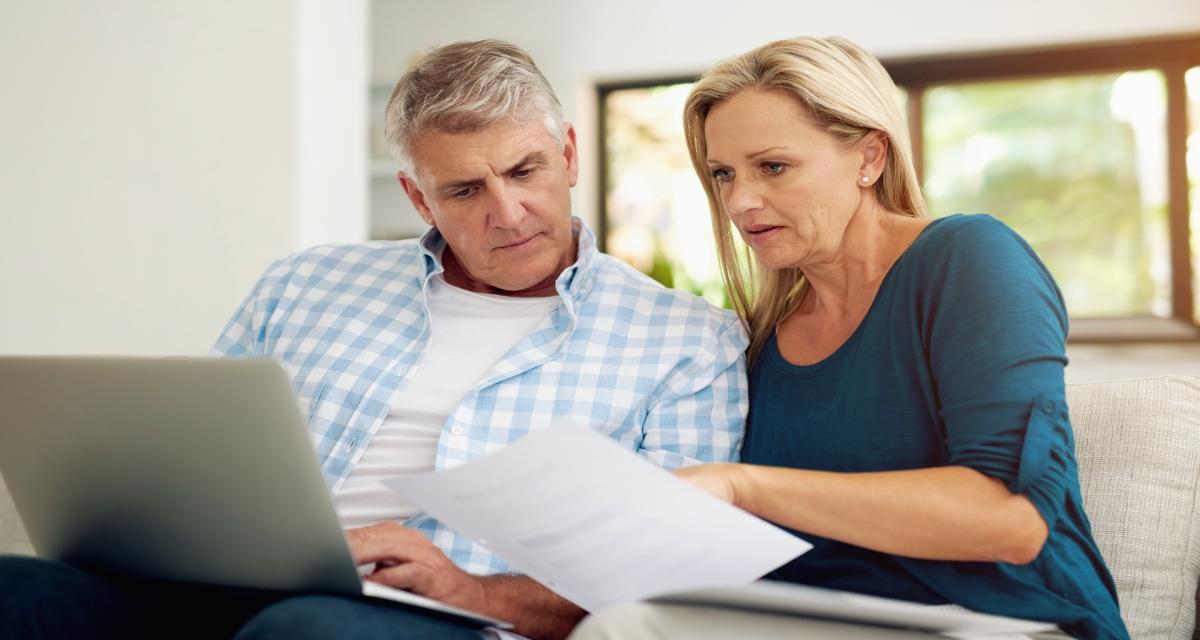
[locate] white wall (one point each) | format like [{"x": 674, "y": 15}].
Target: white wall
[
  {"x": 331, "y": 121},
  {"x": 579, "y": 43},
  {"x": 151, "y": 165}
]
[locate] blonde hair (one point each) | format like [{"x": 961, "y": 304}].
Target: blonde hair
[
  {"x": 466, "y": 87},
  {"x": 849, "y": 94}
]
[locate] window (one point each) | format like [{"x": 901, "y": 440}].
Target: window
[
  {"x": 1077, "y": 165},
  {"x": 1092, "y": 153},
  {"x": 655, "y": 214}
]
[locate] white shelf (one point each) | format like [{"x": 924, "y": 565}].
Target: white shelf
[{"x": 392, "y": 215}]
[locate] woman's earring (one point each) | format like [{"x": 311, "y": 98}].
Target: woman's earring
[{"x": 865, "y": 179}]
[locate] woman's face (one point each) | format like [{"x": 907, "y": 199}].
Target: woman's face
[{"x": 789, "y": 186}]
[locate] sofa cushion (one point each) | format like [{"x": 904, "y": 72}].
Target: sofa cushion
[{"x": 1138, "y": 447}]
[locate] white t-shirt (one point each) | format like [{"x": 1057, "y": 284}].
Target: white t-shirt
[{"x": 470, "y": 333}]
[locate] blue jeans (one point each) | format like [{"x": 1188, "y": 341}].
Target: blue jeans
[{"x": 46, "y": 599}]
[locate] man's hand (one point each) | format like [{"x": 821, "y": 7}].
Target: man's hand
[{"x": 406, "y": 559}]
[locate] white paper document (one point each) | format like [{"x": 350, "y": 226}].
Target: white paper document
[{"x": 596, "y": 523}]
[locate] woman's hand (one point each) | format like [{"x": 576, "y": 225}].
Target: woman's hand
[{"x": 720, "y": 480}]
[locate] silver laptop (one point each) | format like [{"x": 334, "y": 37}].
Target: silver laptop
[{"x": 187, "y": 469}]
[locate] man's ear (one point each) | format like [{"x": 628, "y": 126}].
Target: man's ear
[
  {"x": 570, "y": 153},
  {"x": 416, "y": 197}
]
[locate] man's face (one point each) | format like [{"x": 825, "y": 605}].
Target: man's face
[{"x": 501, "y": 199}]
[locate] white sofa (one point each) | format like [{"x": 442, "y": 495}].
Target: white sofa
[{"x": 1138, "y": 446}]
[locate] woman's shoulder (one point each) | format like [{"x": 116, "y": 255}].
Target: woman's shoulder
[
  {"x": 966, "y": 240},
  {"x": 978, "y": 256},
  {"x": 974, "y": 229}
]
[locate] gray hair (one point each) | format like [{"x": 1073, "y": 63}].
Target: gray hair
[{"x": 466, "y": 87}]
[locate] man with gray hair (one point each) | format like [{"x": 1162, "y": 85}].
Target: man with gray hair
[{"x": 503, "y": 319}]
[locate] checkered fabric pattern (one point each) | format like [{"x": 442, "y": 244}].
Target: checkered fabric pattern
[{"x": 660, "y": 371}]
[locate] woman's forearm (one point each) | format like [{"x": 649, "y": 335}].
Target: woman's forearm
[{"x": 941, "y": 513}]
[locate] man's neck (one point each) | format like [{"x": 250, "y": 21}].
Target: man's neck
[{"x": 457, "y": 275}]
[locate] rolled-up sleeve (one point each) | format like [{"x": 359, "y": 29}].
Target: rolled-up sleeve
[
  {"x": 699, "y": 411},
  {"x": 995, "y": 333}
]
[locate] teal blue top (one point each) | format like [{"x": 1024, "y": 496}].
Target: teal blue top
[{"x": 959, "y": 361}]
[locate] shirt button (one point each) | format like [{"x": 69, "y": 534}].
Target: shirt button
[
  {"x": 353, "y": 442},
  {"x": 1048, "y": 407},
  {"x": 456, "y": 430}
]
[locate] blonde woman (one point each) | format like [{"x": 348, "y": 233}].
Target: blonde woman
[{"x": 907, "y": 400}]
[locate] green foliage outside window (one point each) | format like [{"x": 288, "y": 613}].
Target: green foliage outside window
[{"x": 1076, "y": 165}]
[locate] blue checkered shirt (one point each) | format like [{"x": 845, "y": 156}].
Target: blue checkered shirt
[{"x": 660, "y": 371}]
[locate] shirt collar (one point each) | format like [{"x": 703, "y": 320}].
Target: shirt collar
[{"x": 572, "y": 284}]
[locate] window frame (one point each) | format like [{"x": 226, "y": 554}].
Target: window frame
[{"x": 1170, "y": 55}]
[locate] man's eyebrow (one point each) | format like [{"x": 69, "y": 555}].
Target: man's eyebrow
[
  {"x": 458, "y": 185},
  {"x": 536, "y": 157}
]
